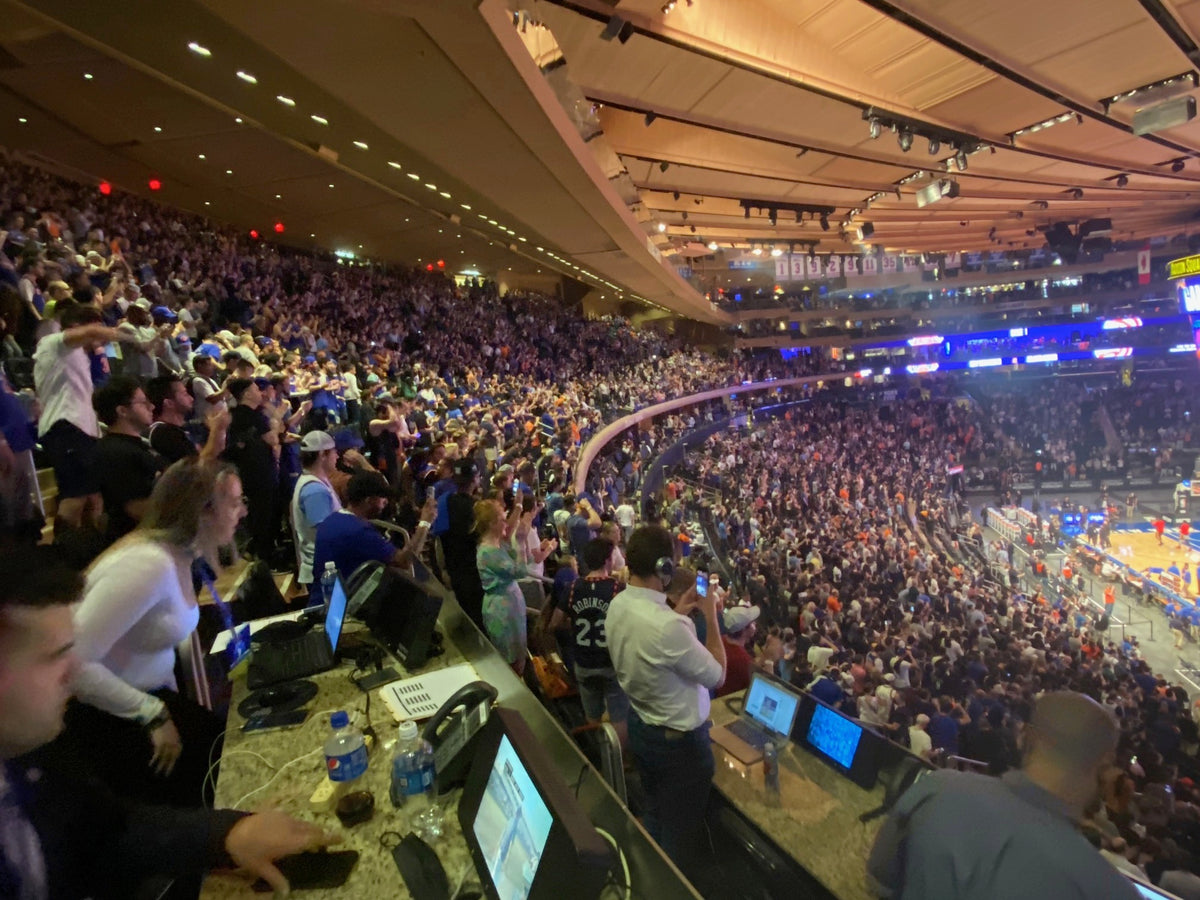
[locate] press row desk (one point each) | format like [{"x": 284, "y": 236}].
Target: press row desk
[
  {"x": 376, "y": 875},
  {"x": 813, "y": 821}
]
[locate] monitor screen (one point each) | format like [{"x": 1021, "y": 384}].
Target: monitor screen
[
  {"x": 771, "y": 705},
  {"x": 1189, "y": 296},
  {"x": 834, "y": 735},
  {"x": 512, "y": 825},
  {"x": 336, "y": 614}
]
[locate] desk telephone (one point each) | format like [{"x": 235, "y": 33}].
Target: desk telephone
[{"x": 453, "y": 729}]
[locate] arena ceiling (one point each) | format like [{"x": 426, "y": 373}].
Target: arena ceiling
[{"x": 709, "y": 106}]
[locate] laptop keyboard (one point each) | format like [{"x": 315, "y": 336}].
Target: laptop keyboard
[
  {"x": 753, "y": 736},
  {"x": 296, "y": 659}
]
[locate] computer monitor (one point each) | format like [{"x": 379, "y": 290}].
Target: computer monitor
[
  {"x": 771, "y": 705},
  {"x": 528, "y": 836},
  {"x": 400, "y": 611},
  {"x": 839, "y": 741},
  {"x": 336, "y": 614}
]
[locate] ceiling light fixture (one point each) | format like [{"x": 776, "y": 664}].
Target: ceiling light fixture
[
  {"x": 960, "y": 159},
  {"x": 465, "y": 205},
  {"x": 1122, "y": 180},
  {"x": 246, "y": 77},
  {"x": 199, "y": 49},
  {"x": 662, "y": 226},
  {"x": 432, "y": 187},
  {"x": 320, "y": 120},
  {"x": 650, "y": 117},
  {"x": 934, "y": 146},
  {"x": 201, "y": 156},
  {"x": 445, "y": 194},
  {"x": 158, "y": 129},
  {"x": 361, "y": 145},
  {"x": 395, "y": 165},
  {"x": 875, "y": 128},
  {"x": 88, "y": 76},
  {"x": 286, "y": 101},
  {"x": 712, "y": 245},
  {"x": 237, "y": 121},
  {"x": 663, "y": 166},
  {"x": 1043, "y": 125},
  {"x": 904, "y": 139},
  {"x": 22, "y": 120}
]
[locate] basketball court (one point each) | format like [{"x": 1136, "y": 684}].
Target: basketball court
[{"x": 1137, "y": 547}]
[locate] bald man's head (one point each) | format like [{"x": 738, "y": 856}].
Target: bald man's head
[{"x": 1071, "y": 732}]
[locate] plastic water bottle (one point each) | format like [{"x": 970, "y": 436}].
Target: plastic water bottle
[
  {"x": 345, "y": 751},
  {"x": 413, "y": 784},
  {"x": 328, "y": 577},
  {"x": 771, "y": 767}
]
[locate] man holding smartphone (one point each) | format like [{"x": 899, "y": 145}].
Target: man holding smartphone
[
  {"x": 667, "y": 674},
  {"x": 63, "y": 837}
]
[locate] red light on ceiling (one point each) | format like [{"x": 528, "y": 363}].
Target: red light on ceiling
[
  {"x": 154, "y": 184},
  {"x": 105, "y": 188},
  {"x": 441, "y": 264},
  {"x": 254, "y": 234},
  {"x": 279, "y": 228},
  {"x": 429, "y": 267}
]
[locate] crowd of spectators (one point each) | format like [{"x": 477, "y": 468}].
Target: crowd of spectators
[{"x": 881, "y": 596}]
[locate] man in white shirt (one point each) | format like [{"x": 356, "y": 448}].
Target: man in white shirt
[
  {"x": 919, "y": 741},
  {"x": 667, "y": 674},
  {"x": 626, "y": 515},
  {"x": 68, "y": 429},
  {"x": 313, "y": 500}
]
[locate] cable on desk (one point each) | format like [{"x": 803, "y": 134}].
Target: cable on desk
[
  {"x": 579, "y": 781},
  {"x": 628, "y": 885},
  {"x": 280, "y": 771}
]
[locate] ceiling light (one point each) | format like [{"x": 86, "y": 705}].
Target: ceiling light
[
  {"x": 712, "y": 245},
  {"x": 279, "y": 196},
  {"x": 432, "y": 187},
  {"x": 201, "y": 156},
  {"x": 445, "y": 194},
  {"x": 331, "y": 185},
  {"x": 286, "y": 101},
  {"x": 874, "y": 128},
  {"x": 775, "y": 251},
  {"x": 237, "y": 121},
  {"x": 905, "y": 139},
  {"x": 158, "y": 129},
  {"x": 88, "y": 76},
  {"x": 663, "y": 166},
  {"x": 491, "y": 221},
  {"x": 413, "y": 175},
  {"x": 465, "y": 205},
  {"x": 22, "y": 120},
  {"x": 1177, "y": 166},
  {"x": 199, "y": 49},
  {"x": 960, "y": 158},
  {"x": 662, "y": 226},
  {"x": 824, "y": 223},
  {"x": 757, "y": 251},
  {"x": 361, "y": 145},
  {"x": 395, "y": 165},
  {"x": 320, "y": 120},
  {"x": 934, "y": 146},
  {"x": 206, "y": 203},
  {"x": 229, "y": 171},
  {"x": 247, "y": 77}
]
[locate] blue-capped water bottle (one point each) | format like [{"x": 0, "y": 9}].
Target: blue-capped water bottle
[
  {"x": 328, "y": 577},
  {"x": 413, "y": 782},
  {"x": 345, "y": 751},
  {"x": 771, "y": 767}
]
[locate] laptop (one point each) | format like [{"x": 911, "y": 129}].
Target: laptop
[
  {"x": 307, "y": 655},
  {"x": 768, "y": 714}
]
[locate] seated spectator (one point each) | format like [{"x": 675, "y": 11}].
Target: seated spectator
[
  {"x": 78, "y": 838},
  {"x": 129, "y": 725},
  {"x": 740, "y": 629},
  {"x": 126, "y": 466},
  {"x": 348, "y": 539}
]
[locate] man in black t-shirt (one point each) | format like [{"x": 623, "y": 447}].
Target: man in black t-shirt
[
  {"x": 586, "y": 610},
  {"x": 252, "y": 446},
  {"x": 169, "y": 436},
  {"x": 457, "y": 542},
  {"x": 126, "y": 466}
]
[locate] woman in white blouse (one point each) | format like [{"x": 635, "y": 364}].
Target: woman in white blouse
[{"x": 139, "y": 734}]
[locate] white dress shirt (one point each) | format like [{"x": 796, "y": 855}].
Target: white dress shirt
[
  {"x": 63, "y": 375},
  {"x": 659, "y": 661}
]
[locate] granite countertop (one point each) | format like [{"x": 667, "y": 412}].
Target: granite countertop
[
  {"x": 243, "y": 771},
  {"x": 814, "y": 818}
]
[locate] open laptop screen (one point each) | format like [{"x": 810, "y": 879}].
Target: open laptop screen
[
  {"x": 336, "y": 614},
  {"x": 771, "y": 705}
]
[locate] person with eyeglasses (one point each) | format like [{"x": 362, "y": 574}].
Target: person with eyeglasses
[
  {"x": 126, "y": 466},
  {"x": 128, "y": 724}
]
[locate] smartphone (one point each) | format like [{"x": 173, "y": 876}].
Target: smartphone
[
  {"x": 310, "y": 871},
  {"x": 378, "y": 679},
  {"x": 702, "y": 584},
  {"x": 275, "y": 721}
]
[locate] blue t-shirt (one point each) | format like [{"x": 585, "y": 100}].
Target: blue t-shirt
[{"x": 349, "y": 542}]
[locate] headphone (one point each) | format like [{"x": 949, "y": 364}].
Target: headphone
[{"x": 664, "y": 568}]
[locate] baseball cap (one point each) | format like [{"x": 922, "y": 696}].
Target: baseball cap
[
  {"x": 465, "y": 468},
  {"x": 347, "y": 439},
  {"x": 316, "y": 441},
  {"x": 142, "y": 303},
  {"x": 163, "y": 312},
  {"x": 364, "y": 485},
  {"x": 738, "y": 617}
]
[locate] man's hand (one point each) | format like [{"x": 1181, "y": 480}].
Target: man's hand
[
  {"x": 218, "y": 420},
  {"x": 429, "y": 508},
  {"x": 688, "y": 601},
  {"x": 256, "y": 841}
]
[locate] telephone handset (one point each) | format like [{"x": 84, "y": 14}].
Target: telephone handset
[{"x": 453, "y": 729}]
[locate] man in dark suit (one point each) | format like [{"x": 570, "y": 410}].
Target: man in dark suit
[{"x": 69, "y": 839}]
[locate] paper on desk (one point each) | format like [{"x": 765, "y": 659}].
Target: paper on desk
[
  {"x": 421, "y": 696},
  {"x": 222, "y": 638}
]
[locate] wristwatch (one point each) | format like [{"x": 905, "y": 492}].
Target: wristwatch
[{"x": 162, "y": 718}]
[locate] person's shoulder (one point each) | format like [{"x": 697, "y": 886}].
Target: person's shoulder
[{"x": 135, "y": 557}]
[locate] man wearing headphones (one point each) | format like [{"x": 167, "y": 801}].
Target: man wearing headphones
[{"x": 667, "y": 674}]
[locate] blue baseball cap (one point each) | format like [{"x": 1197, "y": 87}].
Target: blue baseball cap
[{"x": 163, "y": 312}]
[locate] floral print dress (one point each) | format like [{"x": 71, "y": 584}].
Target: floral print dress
[{"x": 503, "y": 602}]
